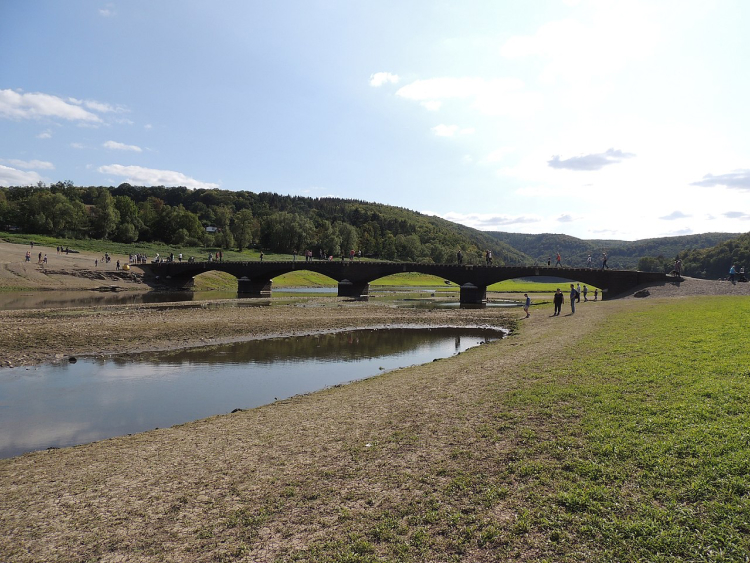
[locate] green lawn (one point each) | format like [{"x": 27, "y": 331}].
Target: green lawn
[{"x": 643, "y": 452}]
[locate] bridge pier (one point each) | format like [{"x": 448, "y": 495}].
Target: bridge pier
[
  {"x": 471, "y": 294},
  {"x": 353, "y": 289},
  {"x": 253, "y": 288}
]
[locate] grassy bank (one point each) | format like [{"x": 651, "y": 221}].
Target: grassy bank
[
  {"x": 644, "y": 454},
  {"x": 621, "y": 433}
]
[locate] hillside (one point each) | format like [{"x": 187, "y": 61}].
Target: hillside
[
  {"x": 714, "y": 262},
  {"x": 222, "y": 219},
  {"x": 621, "y": 254}
]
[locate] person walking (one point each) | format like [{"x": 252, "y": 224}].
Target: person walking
[
  {"x": 588, "y": 262},
  {"x": 604, "y": 260},
  {"x": 732, "y": 273},
  {"x": 558, "y": 300},
  {"x": 572, "y": 299},
  {"x": 585, "y": 293},
  {"x": 527, "y": 304}
]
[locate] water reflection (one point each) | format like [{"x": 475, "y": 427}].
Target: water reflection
[{"x": 95, "y": 399}]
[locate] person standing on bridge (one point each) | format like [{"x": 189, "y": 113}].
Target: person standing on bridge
[
  {"x": 588, "y": 262},
  {"x": 459, "y": 256},
  {"x": 604, "y": 260},
  {"x": 261, "y": 256},
  {"x": 559, "y": 260},
  {"x": 572, "y": 299}
]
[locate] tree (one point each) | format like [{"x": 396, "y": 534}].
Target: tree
[
  {"x": 329, "y": 239},
  {"x": 104, "y": 215},
  {"x": 349, "y": 236},
  {"x": 245, "y": 228},
  {"x": 287, "y": 232}
]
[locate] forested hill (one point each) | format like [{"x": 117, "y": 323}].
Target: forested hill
[
  {"x": 659, "y": 253},
  {"x": 714, "y": 262},
  {"x": 241, "y": 219}
]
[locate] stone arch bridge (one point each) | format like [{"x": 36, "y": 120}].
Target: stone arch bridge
[{"x": 254, "y": 279}]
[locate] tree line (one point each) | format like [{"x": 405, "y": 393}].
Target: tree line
[{"x": 241, "y": 220}]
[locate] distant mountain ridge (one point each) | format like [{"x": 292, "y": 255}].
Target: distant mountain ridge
[{"x": 624, "y": 255}]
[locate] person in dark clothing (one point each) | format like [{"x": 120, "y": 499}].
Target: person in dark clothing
[{"x": 558, "y": 300}]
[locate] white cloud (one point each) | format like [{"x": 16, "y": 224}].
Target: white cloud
[
  {"x": 496, "y": 97},
  {"x": 78, "y": 145},
  {"x": 431, "y": 105},
  {"x": 14, "y": 105},
  {"x": 31, "y": 164},
  {"x": 12, "y": 177},
  {"x": 445, "y": 130},
  {"x": 499, "y": 154},
  {"x": 539, "y": 191},
  {"x": 380, "y": 78},
  {"x": 566, "y": 45},
  {"x": 101, "y": 107},
  {"x": 486, "y": 221},
  {"x": 450, "y": 130},
  {"x": 45, "y": 135},
  {"x": 675, "y": 215},
  {"x": 114, "y": 145},
  {"x": 151, "y": 177}
]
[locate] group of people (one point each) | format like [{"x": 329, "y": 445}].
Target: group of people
[
  {"x": 559, "y": 298},
  {"x": 733, "y": 272},
  {"x": 40, "y": 260},
  {"x": 589, "y": 261}
]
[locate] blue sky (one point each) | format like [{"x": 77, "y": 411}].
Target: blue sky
[{"x": 622, "y": 120}]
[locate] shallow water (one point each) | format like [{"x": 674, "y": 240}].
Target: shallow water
[
  {"x": 93, "y": 399},
  {"x": 398, "y": 296}
]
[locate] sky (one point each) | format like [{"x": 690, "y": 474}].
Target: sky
[{"x": 596, "y": 119}]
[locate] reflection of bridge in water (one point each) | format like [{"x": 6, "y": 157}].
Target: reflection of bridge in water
[{"x": 254, "y": 279}]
